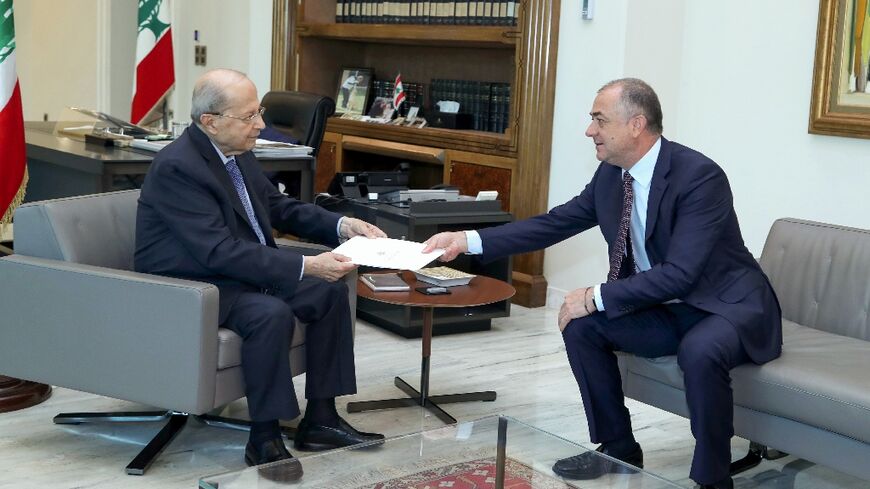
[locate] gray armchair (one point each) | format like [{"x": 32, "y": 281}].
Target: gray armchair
[{"x": 75, "y": 315}]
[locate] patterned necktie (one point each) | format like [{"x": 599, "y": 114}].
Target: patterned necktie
[
  {"x": 239, "y": 183},
  {"x": 621, "y": 259}
]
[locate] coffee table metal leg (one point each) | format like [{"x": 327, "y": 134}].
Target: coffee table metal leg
[
  {"x": 422, "y": 397},
  {"x": 500, "y": 452}
]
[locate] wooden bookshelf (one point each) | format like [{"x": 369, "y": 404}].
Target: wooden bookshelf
[{"x": 310, "y": 48}]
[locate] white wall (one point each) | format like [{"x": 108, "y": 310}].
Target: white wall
[
  {"x": 734, "y": 79},
  {"x": 82, "y": 52}
]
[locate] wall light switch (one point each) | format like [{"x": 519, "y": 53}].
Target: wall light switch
[{"x": 199, "y": 55}]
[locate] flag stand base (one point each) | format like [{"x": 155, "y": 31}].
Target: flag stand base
[{"x": 18, "y": 394}]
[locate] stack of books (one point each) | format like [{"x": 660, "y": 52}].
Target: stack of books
[
  {"x": 488, "y": 102},
  {"x": 459, "y": 12},
  {"x": 443, "y": 276}
]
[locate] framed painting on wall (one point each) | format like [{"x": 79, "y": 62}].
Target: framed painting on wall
[{"x": 840, "y": 103}]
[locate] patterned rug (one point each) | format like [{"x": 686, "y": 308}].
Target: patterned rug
[{"x": 476, "y": 474}]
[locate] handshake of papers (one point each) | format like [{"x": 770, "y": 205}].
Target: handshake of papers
[{"x": 386, "y": 253}]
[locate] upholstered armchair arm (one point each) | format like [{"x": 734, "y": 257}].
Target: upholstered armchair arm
[
  {"x": 113, "y": 332},
  {"x": 315, "y": 249}
]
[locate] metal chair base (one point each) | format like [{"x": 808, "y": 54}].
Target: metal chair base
[{"x": 175, "y": 421}]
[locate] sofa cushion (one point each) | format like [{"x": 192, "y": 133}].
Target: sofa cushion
[
  {"x": 821, "y": 379},
  {"x": 230, "y": 346}
]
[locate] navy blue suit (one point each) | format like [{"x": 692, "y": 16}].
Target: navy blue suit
[
  {"x": 191, "y": 224},
  {"x": 726, "y": 313}
]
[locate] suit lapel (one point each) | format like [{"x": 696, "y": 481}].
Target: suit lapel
[
  {"x": 658, "y": 185},
  {"x": 213, "y": 161}
]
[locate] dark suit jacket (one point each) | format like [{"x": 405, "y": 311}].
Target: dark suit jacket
[
  {"x": 191, "y": 222},
  {"x": 692, "y": 238}
]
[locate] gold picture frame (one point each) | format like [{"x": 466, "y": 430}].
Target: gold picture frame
[{"x": 840, "y": 103}]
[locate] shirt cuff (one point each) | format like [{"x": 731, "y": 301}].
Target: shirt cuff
[
  {"x": 599, "y": 302},
  {"x": 302, "y": 269},
  {"x": 475, "y": 245},
  {"x": 338, "y": 227}
]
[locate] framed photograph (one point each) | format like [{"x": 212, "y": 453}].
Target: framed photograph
[
  {"x": 840, "y": 103},
  {"x": 353, "y": 90},
  {"x": 382, "y": 108}
]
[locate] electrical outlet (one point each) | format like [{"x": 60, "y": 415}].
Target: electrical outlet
[{"x": 199, "y": 55}]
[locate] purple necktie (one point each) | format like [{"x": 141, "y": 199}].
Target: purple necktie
[
  {"x": 239, "y": 183},
  {"x": 620, "y": 260}
]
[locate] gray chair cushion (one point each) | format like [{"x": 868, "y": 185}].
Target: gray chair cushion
[
  {"x": 821, "y": 379},
  {"x": 230, "y": 346}
]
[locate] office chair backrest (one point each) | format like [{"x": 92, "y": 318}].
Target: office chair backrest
[
  {"x": 298, "y": 114},
  {"x": 97, "y": 229}
]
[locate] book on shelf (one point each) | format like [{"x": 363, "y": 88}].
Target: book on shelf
[
  {"x": 443, "y": 276},
  {"x": 385, "y": 282}
]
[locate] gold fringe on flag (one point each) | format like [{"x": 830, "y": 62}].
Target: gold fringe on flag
[{"x": 16, "y": 201}]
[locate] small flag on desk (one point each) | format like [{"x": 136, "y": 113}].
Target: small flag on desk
[
  {"x": 398, "y": 93},
  {"x": 13, "y": 165},
  {"x": 155, "y": 73}
]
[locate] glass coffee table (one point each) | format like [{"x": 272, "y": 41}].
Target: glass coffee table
[{"x": 493, "y": 452}]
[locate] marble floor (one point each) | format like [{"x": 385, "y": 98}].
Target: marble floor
[{"x": 522, "y": 358}]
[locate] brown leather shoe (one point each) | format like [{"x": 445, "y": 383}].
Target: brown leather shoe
[
  {"x": 590, "y": 465},
  {"x": 274, "y": 462}
]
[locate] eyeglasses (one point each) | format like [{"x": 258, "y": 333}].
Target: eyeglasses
[{"x": 247, "y": 119}]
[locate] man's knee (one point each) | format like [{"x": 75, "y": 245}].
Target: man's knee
[
  {"x": 273, "y": 318},
  {"x": 695, "y": 355},
  {"x": 583, "y": 330}
]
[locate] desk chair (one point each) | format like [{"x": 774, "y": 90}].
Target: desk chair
[
  {"x": 75, "y": 315},
  {"x": 301, "y": 116}
]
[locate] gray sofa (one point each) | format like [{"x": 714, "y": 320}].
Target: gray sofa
[
  {"x": 74, "y": 314},
  {"x": 813, "y": 401}
]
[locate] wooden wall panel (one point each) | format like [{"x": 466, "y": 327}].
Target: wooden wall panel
[{"x": 471, "y": 178}]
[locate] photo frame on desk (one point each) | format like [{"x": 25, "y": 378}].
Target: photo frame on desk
[
  {"x": 352, "y": 95},
  {"x": 840, "y": 104}
]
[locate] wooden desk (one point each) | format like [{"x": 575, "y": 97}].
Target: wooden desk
[
  {"x": 63, "y": 167},
  {"x": 482, "y": 290}
]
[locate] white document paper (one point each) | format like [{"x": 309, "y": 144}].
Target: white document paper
[{"x": 387, "y": 253}]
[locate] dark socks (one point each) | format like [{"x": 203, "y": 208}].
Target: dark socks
[
  {"x": 263, "y": 431},
  {"x": 622, "y": 447},
  {"x": 322, "y": 412}
]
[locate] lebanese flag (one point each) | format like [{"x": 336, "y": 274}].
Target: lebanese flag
[
  {"x": 398, "y": 93},
  {"x": 13, "y": 164},
  {"x": 155, "y": 74}
]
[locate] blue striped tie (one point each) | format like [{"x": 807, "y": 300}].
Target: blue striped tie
[{"x": 239, "y": 183}]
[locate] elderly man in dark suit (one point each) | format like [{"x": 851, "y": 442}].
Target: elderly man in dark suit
[
  {"x": 681, "y": 281},
  {"x": 206, "y": 212}
]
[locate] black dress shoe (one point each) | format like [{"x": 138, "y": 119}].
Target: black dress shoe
[
  {"x": 311, "y": 436},
  {"x": 589, "y": 465},
  {"x": 727, "y": 483},
  {"x": 286, "y": 468}
]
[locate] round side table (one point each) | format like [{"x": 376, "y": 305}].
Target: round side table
[{"x": 481, "y": 290}]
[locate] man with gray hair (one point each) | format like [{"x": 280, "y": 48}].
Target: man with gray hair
[
  {"x": 206, "y": 213},
  {"x": 681, "y": 281}
]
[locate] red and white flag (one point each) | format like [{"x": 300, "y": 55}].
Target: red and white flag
[
  {"x": 398, "y": 93},
  {"x": 13, "y": 163},
  {"x": 155, "y": 73}
]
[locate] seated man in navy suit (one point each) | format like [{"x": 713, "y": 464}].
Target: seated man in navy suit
[
  {"x": 681, "y": 281},
  {"x": 206, "y": 213}
]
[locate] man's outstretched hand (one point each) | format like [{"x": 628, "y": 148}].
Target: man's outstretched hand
[
  {"x": 453, "y": 243},
  {"x": 328, "y": 266},
  {"x": 351, "y": 227}
]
